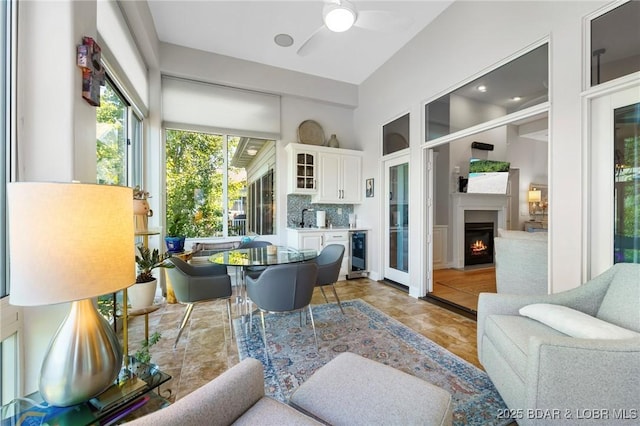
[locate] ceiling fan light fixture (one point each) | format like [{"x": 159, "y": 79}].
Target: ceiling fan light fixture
[{"x": 339, "y": 17}]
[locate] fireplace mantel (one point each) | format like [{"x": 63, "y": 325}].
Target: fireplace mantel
[{"x": 461, "y": 202}]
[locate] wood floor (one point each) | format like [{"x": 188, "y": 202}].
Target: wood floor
[
  {"x": 206, "y": 349},
  {"x": 463, "y": 287}
]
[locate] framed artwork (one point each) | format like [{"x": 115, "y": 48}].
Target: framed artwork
[{"x": 369, "y": 188}]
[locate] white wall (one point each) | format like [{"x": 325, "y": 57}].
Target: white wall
[
  {"x": 464, "y": 40},
  {"x": 56, "y": 129}
]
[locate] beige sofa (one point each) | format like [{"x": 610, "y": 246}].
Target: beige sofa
[
  {"x": 348, "y": 390},
  {"x": 521, "y": 262}
]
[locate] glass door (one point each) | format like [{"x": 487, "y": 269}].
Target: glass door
[
  {"x": 614, "y": 186},
  {"x": 397, "y": 220}
]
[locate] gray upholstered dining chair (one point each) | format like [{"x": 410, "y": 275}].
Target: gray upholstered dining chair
[
  {"x": 284, "y": 288},
  {"x": 192, "y": 284},
  {"x": 329, "y": 262}
]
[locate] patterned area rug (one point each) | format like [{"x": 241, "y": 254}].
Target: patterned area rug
[{"x": 370, "y": 333}]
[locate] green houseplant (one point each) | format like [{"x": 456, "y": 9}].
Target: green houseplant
[
  {"x": 143, "y": 355},
  {"x": 177, "y": 228},
  {"x": 142, "y": 293}
]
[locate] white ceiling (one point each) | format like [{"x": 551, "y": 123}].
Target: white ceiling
[{"x": 246, "y": 29}]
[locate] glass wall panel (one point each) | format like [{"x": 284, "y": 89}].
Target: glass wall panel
[
  {"x": 111, "y": 135},
  {"x": 627, "y": 184},
  {"x": 517, "y": 85},
  {"x": 395, "y": 135},
  {"x": 399, "y": 217},
  {"x": 615, "y": 43}
]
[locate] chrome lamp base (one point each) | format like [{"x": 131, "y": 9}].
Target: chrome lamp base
[{"x": 84, "y": 358}]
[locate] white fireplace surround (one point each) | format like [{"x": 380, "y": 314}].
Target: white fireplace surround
[{"x": 462, "y": 202}]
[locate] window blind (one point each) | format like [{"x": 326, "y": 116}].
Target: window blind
[{"x": 225, "y": 109}]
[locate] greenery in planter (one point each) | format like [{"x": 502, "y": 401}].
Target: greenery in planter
[
  {"x": 143, "y": 355},
  {"x": 147, "y": 261},
  {"x": 179, "y": 223}
]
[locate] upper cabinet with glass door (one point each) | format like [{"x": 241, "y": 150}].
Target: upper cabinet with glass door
[{"x": 303, "y": 169}]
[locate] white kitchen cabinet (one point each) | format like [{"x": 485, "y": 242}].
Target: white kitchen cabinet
[
  {"x": 340, "y": 178},
  {"x": 303, "y": 169},
  {"x": 318, "y": 239}
]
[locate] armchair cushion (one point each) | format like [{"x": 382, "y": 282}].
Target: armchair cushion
[{"x": 575, "y": 323}]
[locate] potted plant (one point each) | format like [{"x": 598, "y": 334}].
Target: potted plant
[
  {"x": 143, "y": 355},
  {"x": 178, "y": 223},
  {"x": 142, "y": 293}
]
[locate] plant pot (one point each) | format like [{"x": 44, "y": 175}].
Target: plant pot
[
  {"x": 141, "y": 295},
  {"x": 174, "y": 244}
]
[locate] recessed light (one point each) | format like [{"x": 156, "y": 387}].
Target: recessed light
[
  {"x": 283, "y": 40},
  {"x": 516, "y": 98},
  {"x": 482, "y": 88},
  {"x": 252, "y": 151}
]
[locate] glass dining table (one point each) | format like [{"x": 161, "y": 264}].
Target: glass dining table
[{"x": 247, "y": 259}]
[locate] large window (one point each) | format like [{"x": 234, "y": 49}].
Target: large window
[
  {"x": 207, "y": 185},
  {"x": 627, "y": 184},
  {"x": 515, "y": 86},
  {"x": 119, "y": 139},
  {"x": 615, "y": 43}
]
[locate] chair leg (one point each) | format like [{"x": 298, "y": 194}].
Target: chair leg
[
  {"x": 333, "y": 287},
  {"x": 185, "y": 319},
  {"x": 264, "y": 334},
  {"x": 229, "y": 315},
  {"x": 325, "y": 296},
  {"x": 313, "y": 325}
]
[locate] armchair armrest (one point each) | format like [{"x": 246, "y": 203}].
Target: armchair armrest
[
  {"x": 585, "y": 374},
  {"x": 503, "y": 304},
  {"x": 220, "y": 402}
]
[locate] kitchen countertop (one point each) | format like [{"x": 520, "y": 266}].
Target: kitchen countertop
[{"x": 335, "y": 228}]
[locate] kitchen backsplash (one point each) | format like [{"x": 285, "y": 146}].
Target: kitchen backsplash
[{"x": 296, "y": 202}]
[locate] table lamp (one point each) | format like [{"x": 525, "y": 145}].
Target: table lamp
[
  {"x": 535, "y": 196},
  {"x": 70, "y": 242}
]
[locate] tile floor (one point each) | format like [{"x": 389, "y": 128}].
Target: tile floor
[{"x": 206, "y": 349}]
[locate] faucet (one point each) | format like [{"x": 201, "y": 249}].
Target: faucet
[{"x": 302, "y": 216}]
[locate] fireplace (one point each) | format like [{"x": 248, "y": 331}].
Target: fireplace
[{"x": 478, "y": 243}]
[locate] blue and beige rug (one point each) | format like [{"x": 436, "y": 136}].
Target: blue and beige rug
[{"x": 372, "y": 334}]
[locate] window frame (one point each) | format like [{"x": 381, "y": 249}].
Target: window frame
[
  {"x": 226, "y": 216},
  {"x": 11, "y": 374}
]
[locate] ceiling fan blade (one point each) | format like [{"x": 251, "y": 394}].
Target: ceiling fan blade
[
  {"x": 382, "y": 21},
  {"x": 313, "y": 41}
]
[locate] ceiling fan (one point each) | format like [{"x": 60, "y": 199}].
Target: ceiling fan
[{"x": 340, "y": 15}]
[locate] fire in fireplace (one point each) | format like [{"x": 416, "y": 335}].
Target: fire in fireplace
[{"x": 478, "y": 240}]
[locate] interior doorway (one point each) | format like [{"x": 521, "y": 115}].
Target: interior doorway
[{"x": 524, "y": 145}]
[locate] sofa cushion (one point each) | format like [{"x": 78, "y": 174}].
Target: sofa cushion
[
  {"x": 620, "y": 303},
  {"x": 575, "y": 323},
  {"x": 353, "y": 390},
  {"x": 268, "y": 411},
  {"x": 510, "y": 335}
]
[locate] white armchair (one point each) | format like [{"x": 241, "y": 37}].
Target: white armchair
[{"x": 536, "y": 367}]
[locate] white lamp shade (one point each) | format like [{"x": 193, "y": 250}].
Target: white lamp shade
[
  {"x": 69, "y": 241},
  {"x": 535, "y": 196}
]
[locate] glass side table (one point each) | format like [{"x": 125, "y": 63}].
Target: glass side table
[{"x": 131, "y": 397}]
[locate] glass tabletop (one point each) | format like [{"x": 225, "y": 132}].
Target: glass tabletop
[
  {"x": 262, "y": 256},
  {"x": 120, "y": 399}
]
